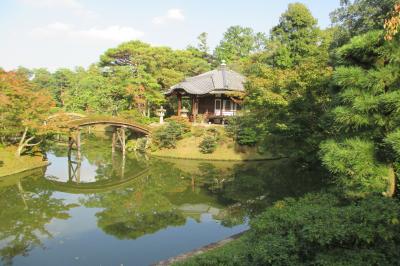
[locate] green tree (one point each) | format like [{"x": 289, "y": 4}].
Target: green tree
[
  {"x": 238, "y": 42},
  {"x": 203, "y": 44},
  {"x": 287, "y": 88},
  {"x": 366, "y": 115},
  {"x": 152, "y": 70},
  {"x": 296, "y": 38},
  {"x": 356, "y": 17}
]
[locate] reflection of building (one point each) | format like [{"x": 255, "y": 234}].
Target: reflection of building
[{"x": 215, "y": 94}]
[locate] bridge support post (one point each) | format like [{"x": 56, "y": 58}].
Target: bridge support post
[
  {"x": 122, "y": 139},
  {"x": 74, "y": 138},
  {"x": 78, "y": 144}
]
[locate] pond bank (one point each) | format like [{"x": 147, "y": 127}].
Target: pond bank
[
  {"x": 199, "y": 251},
  {"x": 10, "y": 164},
  {"x": 187, "y": 148}
]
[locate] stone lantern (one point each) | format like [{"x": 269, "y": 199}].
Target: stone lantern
[
  {"x": 161, "y": 114},
  {"x": 184, "y": 112}
]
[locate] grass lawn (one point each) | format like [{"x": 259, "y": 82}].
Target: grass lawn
[
  {"x": 187, "y": 148},
  {"x": 10, "y": 164}
]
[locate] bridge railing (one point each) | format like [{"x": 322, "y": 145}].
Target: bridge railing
[{"x": 93, "y": 120}]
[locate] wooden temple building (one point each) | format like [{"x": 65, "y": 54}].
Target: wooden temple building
[{"x": 215, "y": 94}]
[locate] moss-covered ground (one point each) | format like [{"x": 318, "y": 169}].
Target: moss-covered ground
[{"x": 10, "y": 164}]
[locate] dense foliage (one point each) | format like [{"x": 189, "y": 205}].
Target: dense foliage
[
  {"x": 167, "y": 136},
  {"x": 329, "y": 97},
  {"x": 318, "y": 229}
]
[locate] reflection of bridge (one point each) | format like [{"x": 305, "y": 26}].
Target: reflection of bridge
[
  {"x": 95, "y": 187},
  {"x": 74, "y": 123}
]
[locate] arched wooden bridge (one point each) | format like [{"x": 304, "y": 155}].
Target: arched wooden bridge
[
  {"x": 74, "y": 122},
  {"x": 111, "y": 121}
]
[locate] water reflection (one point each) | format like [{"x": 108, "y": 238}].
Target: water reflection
[
  {"x": 181, "y": 205},
  {"x": 27, "y": 207}
]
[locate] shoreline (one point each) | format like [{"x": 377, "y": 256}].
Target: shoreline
[
  {"x": 45, "y": 163},
  {"x": 217, "y": 159},
  {"x": 11, "y": 165},
  {"x": 198, "y": 251}
]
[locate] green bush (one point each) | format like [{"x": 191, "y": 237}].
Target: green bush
[
  {"x": 318, "y": 229},
  {"x": 208, "y": 144},
  {"x": 243, "y": 130},
  {"x": 167, "y": 136},
  {"x": 182, "y": 121}
]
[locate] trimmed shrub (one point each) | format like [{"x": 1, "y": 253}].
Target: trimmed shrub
[
  {"x": 208, "y": 144},
  {"x": 182, "y": 121},
  {"x": 167, "y": 136}
]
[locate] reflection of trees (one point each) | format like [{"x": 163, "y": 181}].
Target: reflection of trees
[
  {"x": 248, "y": 188},
  {"x": 138, "y": 210},
  {"x": 130, "y": 214},
  {"x": 256, "y": 185},
  {"x": 26, "y": 209}
]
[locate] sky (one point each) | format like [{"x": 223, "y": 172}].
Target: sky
[{"x": 68, "y": 33}]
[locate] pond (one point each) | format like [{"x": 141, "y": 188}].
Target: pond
[{"x": 109, "y": 210}]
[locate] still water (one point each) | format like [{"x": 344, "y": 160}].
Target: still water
[{"x": 106, "y": 210}]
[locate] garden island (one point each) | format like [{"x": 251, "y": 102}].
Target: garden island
[{"x": 278, "y": 148}]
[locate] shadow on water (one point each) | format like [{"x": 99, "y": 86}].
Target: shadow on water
[{"x": 136, "y": 196}]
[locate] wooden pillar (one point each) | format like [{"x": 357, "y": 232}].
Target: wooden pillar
[
  {"x": 69, "y": 168},
  {"x": 70, "y": 142},
  {"x": 78, "y": 144},
  {"x": 179, "y": 103},
  {"x": 222, "y": 106},
  {"x": 122, "y": 139},
  {"x": 193, "y": 108},
  {"x": 196, "y": 104}
]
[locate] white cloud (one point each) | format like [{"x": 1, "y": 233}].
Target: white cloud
[
  {"x": 173, "y": 14},
  {"x": 77, "y": 7},
  {"x": 111, "y": 33}
]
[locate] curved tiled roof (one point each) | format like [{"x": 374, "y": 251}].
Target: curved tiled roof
[{"x": 221, "y": 79}]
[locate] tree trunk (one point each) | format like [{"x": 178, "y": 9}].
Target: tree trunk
[{"x": 23, "y": 143}]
